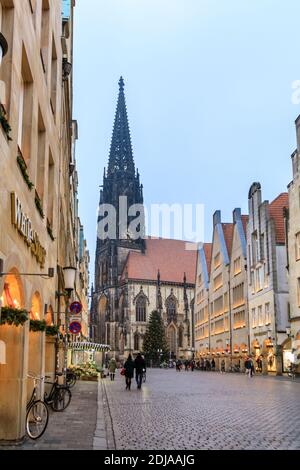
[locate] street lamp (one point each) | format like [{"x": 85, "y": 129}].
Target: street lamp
[
  {"x": 69, "y": 284},
  {"x": 159, "y": 352},
  {"x": 193, "y": 353}
]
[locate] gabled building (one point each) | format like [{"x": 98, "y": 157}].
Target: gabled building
[
  {"x": 293, "y": 242},
  {"x": 220, "y": 321},
  {"x": 221, "y": 304},
  {"x": 267, "y": 281},
  {"x": 240, "y": 343},
  {"x": 201, "y": 307}
]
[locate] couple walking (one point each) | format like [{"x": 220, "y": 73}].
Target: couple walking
[{"x": 139, "y": 365}]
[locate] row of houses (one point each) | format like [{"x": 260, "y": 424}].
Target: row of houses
[
  {"x": 41, "y": 235},
  {"x": 247, "y": 290}
]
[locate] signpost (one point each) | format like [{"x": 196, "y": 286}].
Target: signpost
[
  {"x": 76, "y": 308},
  {"x": 75, "y": 327}
]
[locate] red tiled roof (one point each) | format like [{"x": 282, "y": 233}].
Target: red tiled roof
[
  {"x": 228, "y": 235},
  {"x": 170, "y": 257},
  {"x": 276, "y": 213},
  {"x": 207, "y": 247}
]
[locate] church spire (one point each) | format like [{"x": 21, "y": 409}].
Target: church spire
[{"x": 121, "y": 158}]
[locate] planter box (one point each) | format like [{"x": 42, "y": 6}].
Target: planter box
[{"x": 90, "y": 379}]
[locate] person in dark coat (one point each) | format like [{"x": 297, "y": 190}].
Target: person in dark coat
[
  {"x": 140, "y": 366},
  {"x": 129, "y": 371}
]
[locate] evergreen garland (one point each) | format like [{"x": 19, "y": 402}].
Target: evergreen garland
[
  {"x": 52, "y": 330},
  {"x": 155, "y": 340},
  {"x": 4, "y": 123},
  {"x": 38, "y": 204},
  {"x": 13, "y": 316},
  {"x": 23, "y": 168},
  {"x": 37, "y": 325}
]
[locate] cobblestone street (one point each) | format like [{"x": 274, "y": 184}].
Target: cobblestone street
[
  {"x": 203, "y": 410},
  {"x": 179, "y": 411}
]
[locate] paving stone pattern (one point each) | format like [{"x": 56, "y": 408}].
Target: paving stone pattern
[
  {"x": 75, "y": 427},
  {"x": 205, "y": 410}
]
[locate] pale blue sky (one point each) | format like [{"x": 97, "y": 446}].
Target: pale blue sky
[{"x": 208, "y": 85}]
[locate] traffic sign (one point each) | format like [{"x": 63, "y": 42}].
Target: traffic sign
[
  {"x": 76, "y": 308},
  {"x": 75, "y": 328}
]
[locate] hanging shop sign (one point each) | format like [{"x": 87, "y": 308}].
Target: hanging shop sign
[
  {"x": 76, "y": 308},
  {"x": 24, "y": 226},
  {"x": 75, "y": 328}
]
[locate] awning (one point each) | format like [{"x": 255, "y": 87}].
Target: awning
[{"x": 86, "y": 346}]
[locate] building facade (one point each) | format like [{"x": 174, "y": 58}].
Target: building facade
[
  {"x": 267, "y": 280},
  {"x": 293, "y": 243},
  {"x": 38, "y": 195},
  {"x": 128, "y": 286},
  {"x": 221, "y": 310}
]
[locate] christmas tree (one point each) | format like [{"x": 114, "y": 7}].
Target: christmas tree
[{"x": 155, "y": 343}]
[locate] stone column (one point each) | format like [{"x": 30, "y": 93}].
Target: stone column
[{"x": 13, "y": 383}]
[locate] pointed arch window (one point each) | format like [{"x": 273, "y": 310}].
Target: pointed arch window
[
  {"x": 171, "y": 305},
  {"x": 140, "y": 308}
]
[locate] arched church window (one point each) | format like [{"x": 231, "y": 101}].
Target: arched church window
[
  {"x": 171, "y": 308},
  {"x": 140, "y": 309}
]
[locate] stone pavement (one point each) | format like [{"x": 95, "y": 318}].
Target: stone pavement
[
  {"x": 205, "y": 410},
  {"x": 80, "y": 427}
]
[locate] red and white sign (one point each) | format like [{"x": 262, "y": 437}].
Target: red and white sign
[{"x": 75, "y": 327}]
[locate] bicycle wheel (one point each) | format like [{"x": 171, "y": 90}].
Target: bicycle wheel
[
  {"x": 37, "y": 419},
  {"x": 71, "y": 379},
  {"x": 61, "y": 399}
]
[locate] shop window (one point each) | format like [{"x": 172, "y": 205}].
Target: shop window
[
  {"x": 36, "y": 307},
  {"x": 12, "y": 292}
]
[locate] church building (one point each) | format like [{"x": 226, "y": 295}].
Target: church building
[{"x": 136, "y": 275}]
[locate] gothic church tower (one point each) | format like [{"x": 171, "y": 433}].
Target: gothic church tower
[{"x": 108, "y": 310}]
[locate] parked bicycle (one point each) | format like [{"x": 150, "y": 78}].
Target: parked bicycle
[
  {"x": 59, "y": 397},
  {"x": 71, "y": 378},
  {"x": 37, "y": 414},
  {"x": 292, "y": 371}
]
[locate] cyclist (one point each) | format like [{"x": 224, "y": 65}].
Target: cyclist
[{"x": 140, "y": 366}]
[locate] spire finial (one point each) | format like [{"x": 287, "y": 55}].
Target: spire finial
[{"x": 121, "y": 83}]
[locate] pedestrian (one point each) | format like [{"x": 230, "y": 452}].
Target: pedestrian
[
  {"x": 186, "y": 365},
  {"x": 249, "y": 367},
  {"x": 129, "y": 371},
  {"x": 259, "y": 364},
  {"x": 140, "y": 367},
  {"x": 213, "y": 365},
  {"x": 222, "y": 366},
  {"x": 112, "y": 368},
  {"x": 192, "y": 365}
]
